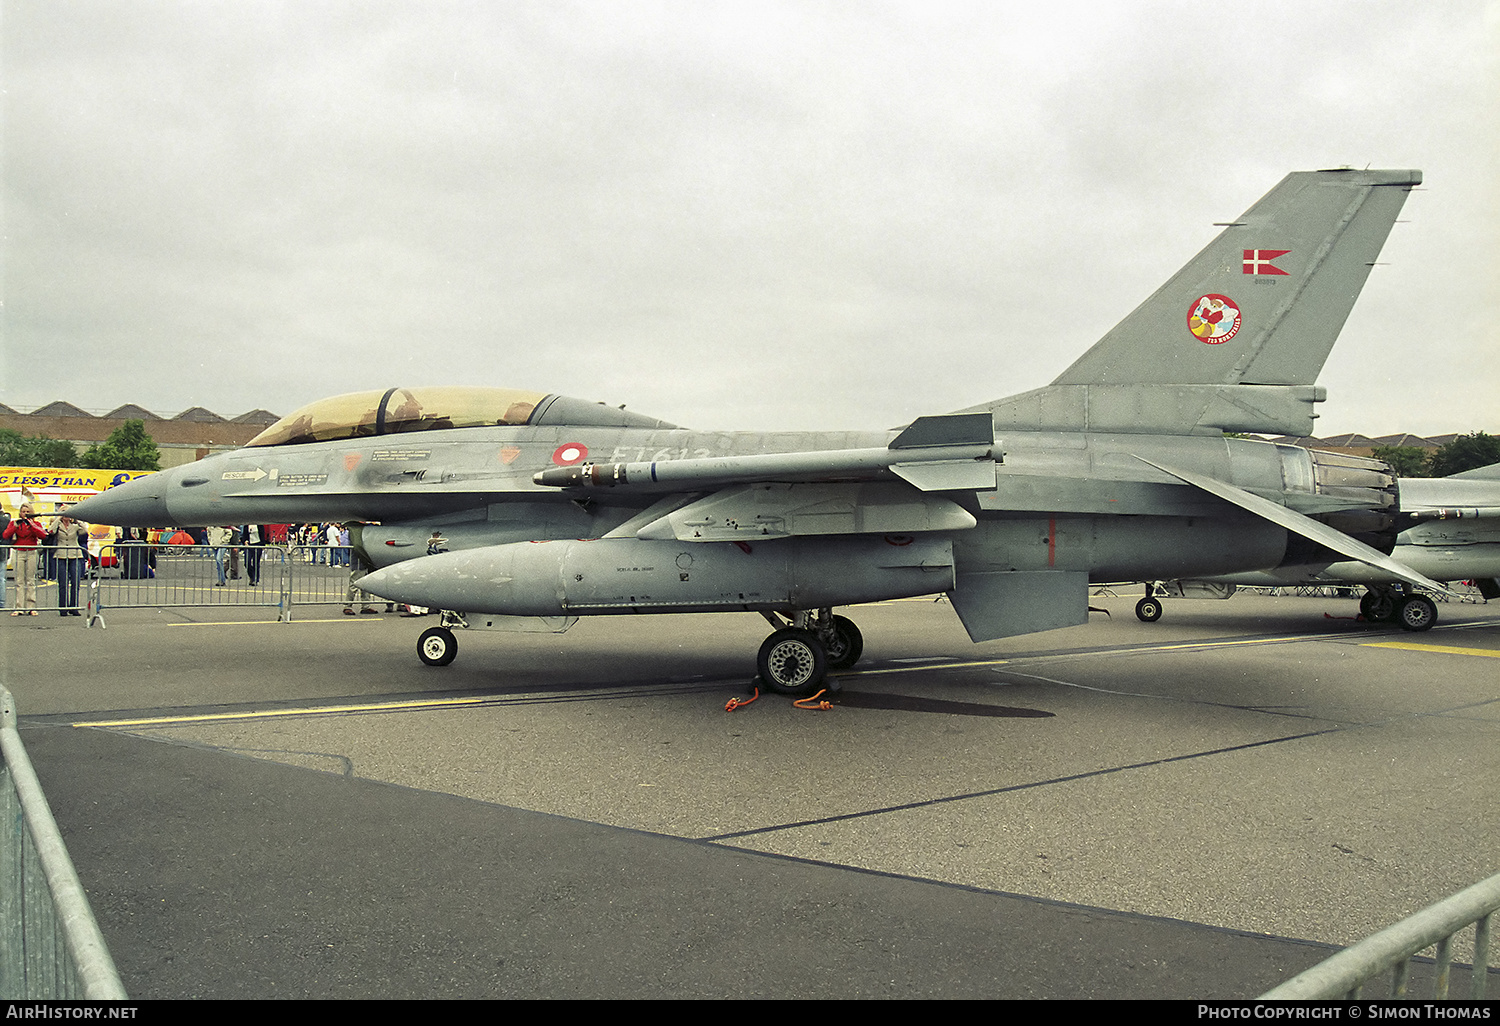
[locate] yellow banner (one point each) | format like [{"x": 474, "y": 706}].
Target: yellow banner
[{"x": 47, "y": 488}]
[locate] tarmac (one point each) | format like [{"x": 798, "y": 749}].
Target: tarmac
[{"x": 1196, "y": 808}]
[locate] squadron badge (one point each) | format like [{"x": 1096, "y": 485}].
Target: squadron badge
[{"x": 1213, "y": 319}]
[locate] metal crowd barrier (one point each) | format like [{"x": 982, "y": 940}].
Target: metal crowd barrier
[
  {"x": 50, "y": 944},
  {"x": 135, "y": 575},
  {"x": 1345, "y": 974},
  {"x": 48, "y": 592}
]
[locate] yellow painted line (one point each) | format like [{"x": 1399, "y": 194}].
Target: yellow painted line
[
  {"x": 917, "y": 667},
  {"x": 312, "y": 710},
  {"x": 1219, "y": 644},
  {"x": 242, "y": 623},
  {"x": 1447, "y": 649}
]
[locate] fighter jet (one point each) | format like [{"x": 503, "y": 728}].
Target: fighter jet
[
  {"x": 1450, "y": 531},
  {"x": 551, "y": 508}
]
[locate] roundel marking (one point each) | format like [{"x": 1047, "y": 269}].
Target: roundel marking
[
  {"x": 570, "y": 453},
  {"x": 899, "y": 540},
  {"x": 1213, "y": 319}
]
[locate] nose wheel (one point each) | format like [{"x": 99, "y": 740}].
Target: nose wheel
[{"x": 437, "y": 646}]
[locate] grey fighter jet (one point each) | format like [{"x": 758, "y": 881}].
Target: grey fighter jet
[
  {"x": 553, "y": 508},
  {"x": 1450, "y": 531}
]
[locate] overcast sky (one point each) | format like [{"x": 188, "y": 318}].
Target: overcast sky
[{"x": 724, "y": 214}]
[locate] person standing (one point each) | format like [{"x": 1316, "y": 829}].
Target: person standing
[
  {"x": 219, "y": 538},
  {"x": 70, "y": 538},
  {"x": 358, "y": 569},
  {"x": 4, "y": 556},
  {"x": 26, "y": 533},
  {"x": 253, "y": 537}
]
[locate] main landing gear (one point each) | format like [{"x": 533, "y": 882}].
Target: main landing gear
[
  {"x": 1388, "y": 604},
  {"x": 796, "y": 658}
]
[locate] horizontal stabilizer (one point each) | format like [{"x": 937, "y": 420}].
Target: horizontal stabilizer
[
  {"x": 1293, "y": 521},
  {"x": 1489, "y": 473}
]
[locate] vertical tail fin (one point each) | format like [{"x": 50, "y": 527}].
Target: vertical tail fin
[{"x": 1235, "y": 340}]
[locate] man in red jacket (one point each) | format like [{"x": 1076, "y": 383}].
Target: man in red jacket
[{"x": 26, "y": 534}]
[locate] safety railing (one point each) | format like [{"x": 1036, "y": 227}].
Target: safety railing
[
  {"x": 134, "y": 575},
  {"x": 50, "y": 944},
  {"x": 1391, "y": 950},
  {"x": 319, "y": 575}
]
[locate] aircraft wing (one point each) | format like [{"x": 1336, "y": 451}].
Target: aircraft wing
[
  {"x": 764, "y": 511},
  {"x": 1470, "y": 495},
  {"x": 1296, "y": 522}
]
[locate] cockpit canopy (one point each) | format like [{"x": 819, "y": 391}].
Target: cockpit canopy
[{"x": 439, "y": 408}]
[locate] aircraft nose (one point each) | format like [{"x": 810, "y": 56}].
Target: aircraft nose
[{"x": 137, "y": 503}]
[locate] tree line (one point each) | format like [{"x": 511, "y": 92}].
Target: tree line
[
  {"x": 128, "y": 447},
  {"x": 1466, "y": 452}
]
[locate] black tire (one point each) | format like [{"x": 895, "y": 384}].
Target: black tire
[
  {"x": 846, "y": 645},
  {"x": 792, "y": 662},
  {"x": 1148, "y": 610},
  {"x": 1378, "y": 607},
  {"x": 437, "y": 646},
  {"x": 1418, "y": 613}
]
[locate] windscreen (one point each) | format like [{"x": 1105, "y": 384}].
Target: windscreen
[{"x": 398, "y": 410}]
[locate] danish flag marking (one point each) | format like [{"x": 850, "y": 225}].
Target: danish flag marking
[{"x": 1258, "y": 261}]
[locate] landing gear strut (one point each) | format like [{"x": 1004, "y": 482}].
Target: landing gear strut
[
  {"x": 796, "y": 658},
  {"x": 1148, "y": 609}
]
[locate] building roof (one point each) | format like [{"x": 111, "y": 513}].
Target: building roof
[
  {"x": 60, "y": 409},
  {"x": 199, "y": 414},
  {"x": 1349, "y": 441},
  {"x": 1413, "y": 441},
  {"x": 130, "y": 411},
  {"x": 262, "y": 417}
]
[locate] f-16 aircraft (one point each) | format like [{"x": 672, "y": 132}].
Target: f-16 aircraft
[
  {"x": 1450, "y": 531},
  {"x": 554, "y": 508}
]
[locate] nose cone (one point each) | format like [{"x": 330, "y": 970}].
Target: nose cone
[{"x": 136, "y": 503}]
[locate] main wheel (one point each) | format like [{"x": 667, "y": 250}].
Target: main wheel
[
  {"x": 792, "y": 662},
  {"x": 1378, "y": 607},
  {"x": 1148, "y": 610},
  {"x": 846, "y": 644},
  {"x": 1418, "y": 613},
  {"x": 437, "y": 646}
]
